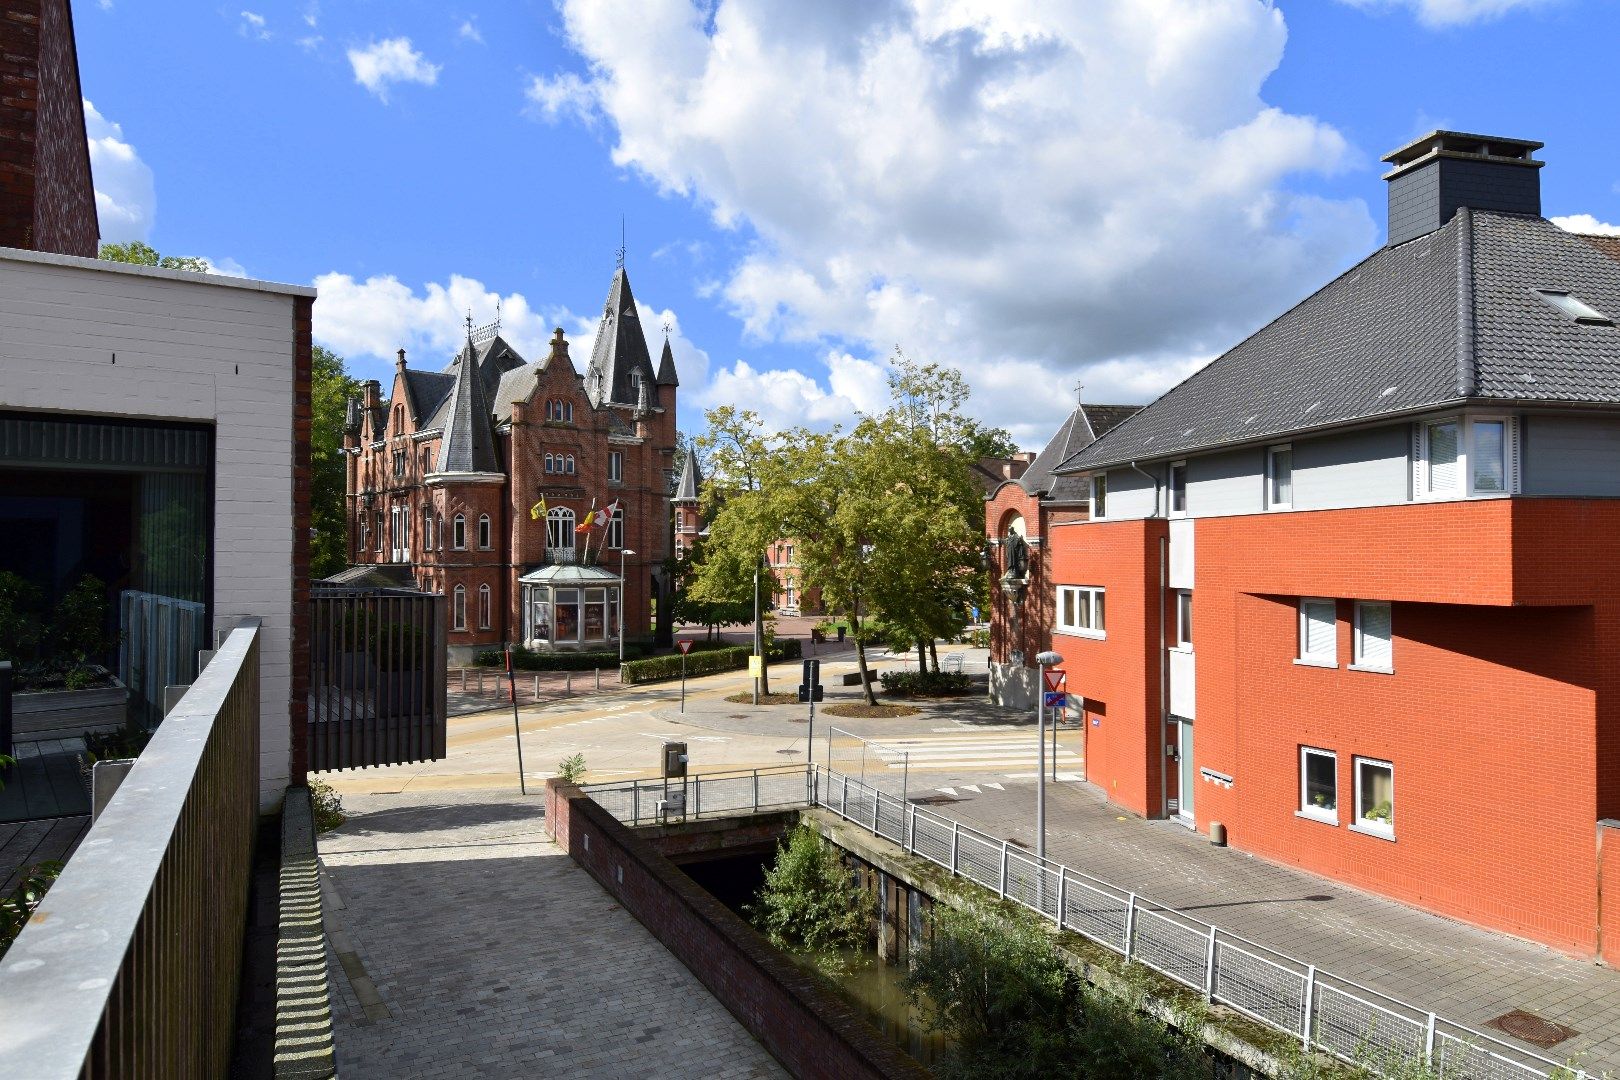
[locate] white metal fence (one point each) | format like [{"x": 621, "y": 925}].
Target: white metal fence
[
  {"x": 887, "y": 768},
  {"x": 635, "y": 802}
]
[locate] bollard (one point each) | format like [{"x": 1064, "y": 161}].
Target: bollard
[
  {"x": 480, "y": 680},
  {"x": 463, "y": 680},
  {"x": 568, "y": 684},
  {"x": 599, "y": 678},
  {"x": 537, "y": 688}
]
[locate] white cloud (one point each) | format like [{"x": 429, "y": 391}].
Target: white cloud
[
  {"x": 126, "y": 198},
  {"x": 1032, "y": 191},
  {"x": 366, "y": 321},
  {"x": 226, "y": 267},
  {"x": 253, "y": 26},
  {"x": 563, "y": 95},
  {"x": 382, "y": 63},
  {"x": 469, "y": 32},
  {"x": 1437, "y": 13},
  {"x": 1586, "y": 223}
]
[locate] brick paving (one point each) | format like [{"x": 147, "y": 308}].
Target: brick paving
[{"x": 484, "y": 951}]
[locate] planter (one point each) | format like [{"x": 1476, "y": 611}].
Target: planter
[{"x": 68, "y": 714}]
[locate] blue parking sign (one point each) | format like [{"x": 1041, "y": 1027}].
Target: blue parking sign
[{"x": 1056, "y": 699}]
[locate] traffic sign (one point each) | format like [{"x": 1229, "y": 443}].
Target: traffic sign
[
  {"x": 1054, "y": 678},
  {"x": 684, "y": 646},
  {"x": 1056, "y": 699},
  {"x": 810, "y": 689}
]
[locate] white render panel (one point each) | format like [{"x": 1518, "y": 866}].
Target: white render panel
[
  {"x": 1130, "y": 495},
  {"x": 1181, "y": 555},
  {"x": 89, "y": 338},
  {"x": 1223, "y": 484},
  {"x": 1570, "y": 455},
  {"x": 1357, "y": 468},
  {"x": 1183, "y": 683}
]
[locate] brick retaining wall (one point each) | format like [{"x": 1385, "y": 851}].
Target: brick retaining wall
[{"x": 805, "y": 1026}]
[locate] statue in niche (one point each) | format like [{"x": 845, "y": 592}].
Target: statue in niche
[{"x": 1016, "y": 558}]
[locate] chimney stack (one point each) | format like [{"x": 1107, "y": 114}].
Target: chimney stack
[{"x": 1444, "y": 171}]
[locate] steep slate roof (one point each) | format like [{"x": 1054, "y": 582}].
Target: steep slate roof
[
  {"x": 666, "y": 366},
  {"x": 496, "y": 359},
  {"x": 687, "y": 489},
  {"x": 1085, "y": 425},
  {"x": 620, "y": 350},
  {"x": 1448, "y": 317},
  {"x": 468, "y": 442},
  {"x": 425, "y": 391}
]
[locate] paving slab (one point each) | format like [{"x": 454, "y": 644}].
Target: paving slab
[{"x": 463, "y": 943}]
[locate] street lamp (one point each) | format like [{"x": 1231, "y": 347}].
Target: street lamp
[
  {"x": 622, "y": 583},
  {"x": 1042, "y": 662}
]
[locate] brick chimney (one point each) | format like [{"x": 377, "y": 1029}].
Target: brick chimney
[{"x": 1444, "y": 171}]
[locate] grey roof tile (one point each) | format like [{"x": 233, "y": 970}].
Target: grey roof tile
[
  {"x": 468, "y": 442},
  {"x": 1085, "y": 425},
  {"x": 666, "y": 366},
  {"x": 619, "y": 355},
  {"x": 686, "y": 490}
]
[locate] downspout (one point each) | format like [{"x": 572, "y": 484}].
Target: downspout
[{"x": 1164, "y": 670}]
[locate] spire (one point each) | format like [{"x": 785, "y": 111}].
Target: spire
[
  {"x": 620, "y": 349},
  {"x": 666, "y": 363},
  {"x": 691, "y": 479},
  {"x": 468, "y": 442}
]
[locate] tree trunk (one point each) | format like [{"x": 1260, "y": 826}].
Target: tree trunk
[
  {"x": 933, "y": 654},
  {"x": 860, "y": 656},
  {"x": 922, "y": 657}
]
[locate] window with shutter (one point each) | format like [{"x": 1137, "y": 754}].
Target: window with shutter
[
  {"x": 1317, "y": 624},
  {"x": 1374, "y": 637},
  {"x": 1442, "y": 457},
  {"x": 1488, "y": 459}
]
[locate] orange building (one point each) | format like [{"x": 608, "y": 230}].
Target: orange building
[{"x": 1347, "y": 590}]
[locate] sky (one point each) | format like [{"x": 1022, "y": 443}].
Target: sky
[{"x": 1092, "y": 194}]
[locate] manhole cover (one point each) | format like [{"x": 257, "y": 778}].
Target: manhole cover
[{"x": 1532, "y": 1028}]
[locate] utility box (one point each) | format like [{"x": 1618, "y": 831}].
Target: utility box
[
  {"x": 674, "y": 759},
  {"x": 672, "y": 804}
]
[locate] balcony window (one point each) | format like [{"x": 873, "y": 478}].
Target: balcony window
[
  {"x": 1374, "y": 649},
  {"x": 1375, "y": 797},
  {"x": 1319, "y": 784},
  {"x": 1280, "y": 477},
  {"x": 1318, "y": 633},
  {"x": 1080, "y": 611},
  {"x": 560, "y": 530}
]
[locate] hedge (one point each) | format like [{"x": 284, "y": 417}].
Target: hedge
[
  {"x": 926, "y": 683},
  {"x": 703, "y": 663},
  {"x": 528, "y": 660}
]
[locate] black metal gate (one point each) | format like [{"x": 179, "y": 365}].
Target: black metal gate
[{"x": 377, "y": 677}]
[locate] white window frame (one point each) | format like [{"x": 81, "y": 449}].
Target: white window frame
[
  {"x": 1096, "y": 608},
  {"x": 550, "y": 463},
  {"x": 427, "y": 529},
  {"x": 1359, "y": 661},
  {"x": 1183, "y": 620},
  {"x": 560, "y": 527},
  {"x": 1382, "y": 829},
  {"x": 485, "y": 606},
  {"x": 1303, "y": 655},
  {"x": 1271, "y": 476},
  {"x": 570, "y": 464},
  {"x": 1467, "y": 456},
  {"x": 1099, "y": 497},
  {"x": 458, "y": 608},
  {"x": 458, "y": 532},
  {"x": 1170, "y": 508},
  {"x": 486, "y": 533},
  {"x": 1308, "y": 809},
  {"x": 616, "y": 466},
  {"x": 680, "y": 521},
  {"x": 615, "y": 529}
]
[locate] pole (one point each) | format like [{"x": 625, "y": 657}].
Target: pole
[
  {"x": 810, "y": 740},
  {"x": 1040, "y": 742},
  {"x": 517, "y": 731},
  {"x": 757, "y": 649},
  {"x": 622, "y": 584},
  {"x": 683, "y": 682}
]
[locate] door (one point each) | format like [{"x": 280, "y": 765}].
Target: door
[{"x": 1185, "y": 774}]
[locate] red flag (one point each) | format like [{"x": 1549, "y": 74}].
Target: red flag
[{"x": 606, "y": 517}]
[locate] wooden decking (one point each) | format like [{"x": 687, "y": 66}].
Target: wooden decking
[
  {"x": 25, "y": 843},
  {"x": 45, "y": 782}
]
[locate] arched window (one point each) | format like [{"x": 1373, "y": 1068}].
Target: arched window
[
  {"x": 549, "y": 462},
  {"x": 549, "y": 410},
  {"x": 483, "y": 607},
  {"x": 458, "y": 607},
  {"x": 399, "y": 419},
  {"x": 569, "y": 408},
  {"x": 483, "y": 532},
  {"x": 560, "y": 529},
  {"x": 458, "y": 533},
  {"x": 570, "y": 464}
]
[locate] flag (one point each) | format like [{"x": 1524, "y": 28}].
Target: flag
[
  {"x": 590, "y": 517},
  {"x": 606, "y": 517},
  {"x": 538, "y": 510}
]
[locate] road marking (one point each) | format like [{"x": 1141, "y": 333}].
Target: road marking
[
  {"x": 998, "y": 787},
  {"x": 973, "y": 788},
  {"x": 947, "y": 790}
]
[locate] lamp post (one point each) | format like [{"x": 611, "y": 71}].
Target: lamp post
[
  {"x": 622, "y": 583},
  {"x": 1042, "y": 662}
]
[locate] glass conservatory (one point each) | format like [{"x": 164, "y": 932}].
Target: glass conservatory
[{"x": 570, "y": 607}]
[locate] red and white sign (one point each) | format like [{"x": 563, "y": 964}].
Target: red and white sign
[
  {"x": 1054, "y": 679},
  {"x": 685, "y": 647}
]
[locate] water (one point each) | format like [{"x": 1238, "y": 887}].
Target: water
[{"x": 878, "y": 992}]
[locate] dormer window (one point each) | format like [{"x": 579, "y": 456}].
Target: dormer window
[{"x": 1574, "y": 308}]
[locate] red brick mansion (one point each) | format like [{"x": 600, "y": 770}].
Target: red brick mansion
[{"x": 519, "y": 489}]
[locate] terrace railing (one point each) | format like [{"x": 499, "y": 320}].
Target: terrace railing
[{"x": 131, "y": 963}]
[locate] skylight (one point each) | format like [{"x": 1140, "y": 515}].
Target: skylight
[{"x": 1576, "y": 309}]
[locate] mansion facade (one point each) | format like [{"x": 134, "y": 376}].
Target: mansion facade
[{"x": 535, "y": 497}]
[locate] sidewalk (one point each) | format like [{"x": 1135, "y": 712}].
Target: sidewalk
[
  {"x": 465, "y": 943},
  {"x": 1464, "y": 974}
]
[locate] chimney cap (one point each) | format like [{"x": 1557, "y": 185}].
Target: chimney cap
[{"x": 1461, "y": 144}]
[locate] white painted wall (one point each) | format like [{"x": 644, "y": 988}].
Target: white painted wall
[{"x": 189, "y": 347}]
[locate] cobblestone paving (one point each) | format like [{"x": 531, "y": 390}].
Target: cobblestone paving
[
  {"x": 1464, "y": 974},
  {"x": 494, "y": 955}
]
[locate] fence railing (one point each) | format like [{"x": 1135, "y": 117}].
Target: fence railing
[
  {"x": 158, "y": 647},
  {"x": 874, "y": 763},
  {"x": 131, "y": 963},
  {"x": 1345, "y": 1019},
  {"x": 636, "y": 802},
  {"x": 377, "y": 677}
]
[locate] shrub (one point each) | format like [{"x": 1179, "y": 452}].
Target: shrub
[
  {"x": 16, "y": 908},
  {"x": 809, "y": 904},
  {"x": 127, "y": 742},
  {"x": 570, "y": 770},
  {"x": 327, "y": 806},
  {"x": 731, "y": 658},
  {"x": 20, "y": 624},
  {"x": 979, "y": 639},
  {"x": 926, "y": 683},
  {"x": 529, "y": 660}
]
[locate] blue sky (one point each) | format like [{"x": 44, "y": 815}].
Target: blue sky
[{"x": 1037, "y": 193}]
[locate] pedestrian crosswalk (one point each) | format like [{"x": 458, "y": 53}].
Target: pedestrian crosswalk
[{"x": 1012, "y": 754}]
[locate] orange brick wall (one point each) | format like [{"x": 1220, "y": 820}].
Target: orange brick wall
[
  {"x": 1609, "y": 901},
  {"x": 1119, "y": 675}
]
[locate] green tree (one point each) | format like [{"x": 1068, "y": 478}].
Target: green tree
[
  {"x": 330, "y": 390},
  {"x": 809, "y": 904},
  {"x": 144, "y": 255}
]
